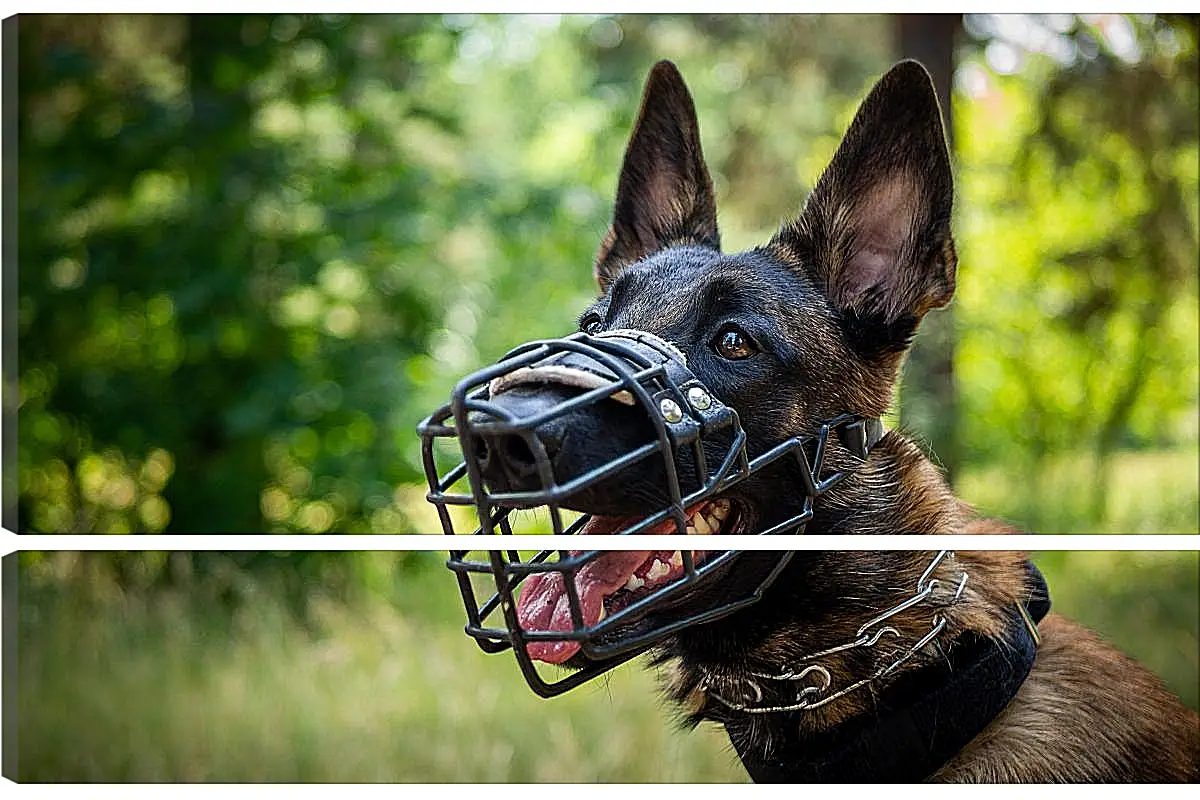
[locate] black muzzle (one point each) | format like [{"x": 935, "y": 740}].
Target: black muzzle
[{"x": 603, "y": 434}]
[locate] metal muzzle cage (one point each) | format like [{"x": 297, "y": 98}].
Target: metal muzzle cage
[
  {"x": 694, "y": 435},
  {"x": 634, "y": 367}
]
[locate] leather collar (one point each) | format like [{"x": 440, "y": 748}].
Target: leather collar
[{"x": 922, "y": 720}]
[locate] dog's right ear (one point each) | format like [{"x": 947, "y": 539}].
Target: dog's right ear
[{"x": 664, "y": 195}]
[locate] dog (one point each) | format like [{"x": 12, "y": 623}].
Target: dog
[{"x": 861, "y": 666}]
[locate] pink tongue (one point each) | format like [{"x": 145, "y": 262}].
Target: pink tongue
[{"x": 543, "y": 604}]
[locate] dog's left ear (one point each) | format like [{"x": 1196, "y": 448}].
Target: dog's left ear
[
  {"x": 875, "y": 233},
  {"x": 664, "y": 195}
]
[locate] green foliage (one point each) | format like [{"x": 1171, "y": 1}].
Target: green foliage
[
  {"x": 1078, "y": 231},
  {"x": 221, "y": 280},
  {"x": 1153, "y": 492},
  {"x": 1144, "y": 602}
]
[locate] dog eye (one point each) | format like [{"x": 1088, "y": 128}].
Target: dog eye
[
  {"x": 591, "y": 323},
  {"x": 734, "y": 344}
]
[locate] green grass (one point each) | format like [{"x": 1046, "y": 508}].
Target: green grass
[
  {"x": 1151, "y": 492},
  {"x": 137, "y": 688},
  {"x": 139, "y": 692}
]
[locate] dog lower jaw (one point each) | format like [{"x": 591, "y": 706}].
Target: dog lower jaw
[{"x": 613, "y": 581}]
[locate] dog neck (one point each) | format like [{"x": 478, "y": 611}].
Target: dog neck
[
  {"x": 919, "y": 722},
  {"x": 823, "y": 599},
  {"x": 800, "y": 705}
]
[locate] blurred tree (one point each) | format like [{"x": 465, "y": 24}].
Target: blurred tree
[
  {"x": 1084, "y": 153},
  {"x": 221, "y": 218},
  {"x": 929, "y": 394}
]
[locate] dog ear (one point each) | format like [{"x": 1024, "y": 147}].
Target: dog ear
[
  {"x": 875, "y": 233},
  {"x": 664, "y": 195}
]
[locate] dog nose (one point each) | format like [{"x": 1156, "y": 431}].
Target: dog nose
[
  {"x": 507, "y": 460},
  {"x": 508, "y": 455}
]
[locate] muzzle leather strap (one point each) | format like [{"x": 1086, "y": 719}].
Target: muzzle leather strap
[{"x": 922, "y": 720}]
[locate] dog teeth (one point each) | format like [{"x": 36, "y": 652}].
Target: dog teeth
[
  {"x": 708, "y": 519},
  {"x": 634, "y": 583},
  {"x": 657, "y": 570},
  {"x": 677, "y": 559}
]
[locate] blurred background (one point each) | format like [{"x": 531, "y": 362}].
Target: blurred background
[
  {"x": 255, "y": 250},
  {"x": 301, "y": 667}
]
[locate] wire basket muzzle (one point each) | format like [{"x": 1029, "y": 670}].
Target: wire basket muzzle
[{"x": 581, "y": 423}]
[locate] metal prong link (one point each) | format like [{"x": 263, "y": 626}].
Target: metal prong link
[{"x": 810, "y": 696}]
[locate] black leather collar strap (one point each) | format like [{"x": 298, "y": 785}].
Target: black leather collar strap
[{"x": 922, "y": 721}]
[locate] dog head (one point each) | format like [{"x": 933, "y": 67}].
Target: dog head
[
  {"x": 811, "y": 325},
  {"x": 805, "y": 328}
]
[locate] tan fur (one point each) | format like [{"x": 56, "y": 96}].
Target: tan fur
[{"x": 1086, "y": 713}]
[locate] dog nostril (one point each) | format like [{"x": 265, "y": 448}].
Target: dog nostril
[{"x": 519, "y": 456}]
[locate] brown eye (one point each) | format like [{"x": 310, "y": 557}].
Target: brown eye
[
  {"x": 592, "y": 324},
  {"x": 731, "y": 343}
]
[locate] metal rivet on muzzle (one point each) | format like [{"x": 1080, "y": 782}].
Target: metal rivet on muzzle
[
  {"x": 700, "y": 399},
  {"x": 670, "y": 410}
]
